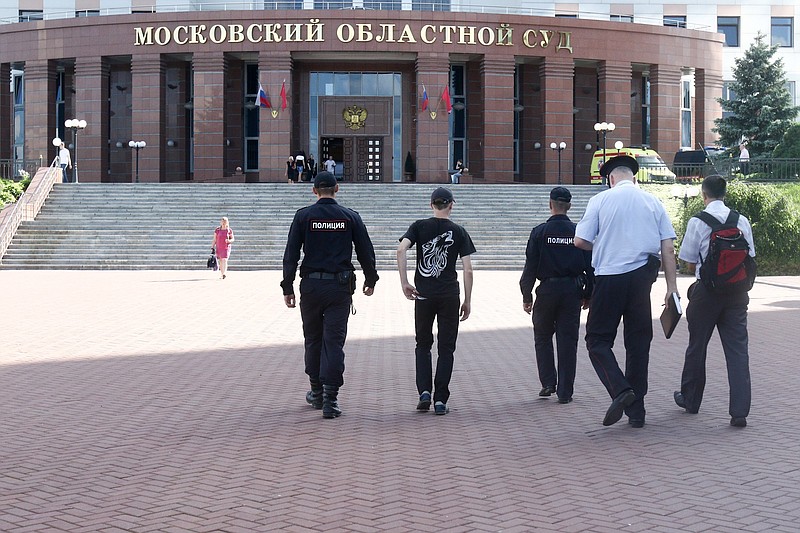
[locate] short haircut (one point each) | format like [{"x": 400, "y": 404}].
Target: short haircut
[
  {"x": 622, "y": 169},
  {"x": 715, "y": 186},
  {"x": 441, "y": 203},
  {"x": 561, "y": 206}
]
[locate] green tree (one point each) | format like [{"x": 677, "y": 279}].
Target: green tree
[
  {"x": 790, "y": 144},
  {"x": 761, "y": 108}
]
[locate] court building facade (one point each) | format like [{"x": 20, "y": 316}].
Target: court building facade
[{"x": 393, "y": 95}]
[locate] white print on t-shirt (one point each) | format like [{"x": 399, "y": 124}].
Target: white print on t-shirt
[{"x": 434, "y": 255}]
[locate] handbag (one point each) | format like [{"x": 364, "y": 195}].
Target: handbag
[{"x": 212, "y": 261}]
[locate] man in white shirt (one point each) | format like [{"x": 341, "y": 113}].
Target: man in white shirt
[
  {"x": 626, "y": 229},
  {"x": 65, "y": 161},
  {"x": 330, "y": 165},
  {"x": 744, "y": 159},
  {"x": 708, "y": 310}
]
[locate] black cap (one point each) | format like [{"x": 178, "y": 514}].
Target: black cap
[
  {"x": 561, "y": 194},
  {"x": 324, "y": 180},
  {"x": 442, "y": 196},
  {"x": 619, "y": 161}
]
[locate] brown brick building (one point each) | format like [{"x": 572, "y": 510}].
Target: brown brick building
[{"x": 187, "y": 84}]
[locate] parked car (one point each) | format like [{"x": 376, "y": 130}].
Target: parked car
[
  {"x": 651, "y": 166},
  {"x": 696, "y": 164}
]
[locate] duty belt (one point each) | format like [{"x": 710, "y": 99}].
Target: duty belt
[
  {"x": 320, "y": 275},
  {"x": 560, "y": 278}
]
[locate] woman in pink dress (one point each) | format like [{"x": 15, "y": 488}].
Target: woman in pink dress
[{"x": 223, "y": 237}]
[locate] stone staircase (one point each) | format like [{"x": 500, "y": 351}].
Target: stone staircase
[{"x": 170, "y": 226}]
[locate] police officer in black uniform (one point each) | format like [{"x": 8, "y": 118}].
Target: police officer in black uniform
[
  {"x": 566, "y": 279},
  {"x": 326, "y": 232}
]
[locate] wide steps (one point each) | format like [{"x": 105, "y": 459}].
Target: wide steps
[{"x": 170, "y": 226}]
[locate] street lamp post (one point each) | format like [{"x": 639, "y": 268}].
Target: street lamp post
[
  {"x": 75, "y": 125},
  {"x": 559, "y": 147},
  {"x": 137, "y": 145},
  {"x": 604, "y": 128}
]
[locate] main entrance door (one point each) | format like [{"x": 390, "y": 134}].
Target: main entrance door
[{"x": 358, "y": 137}]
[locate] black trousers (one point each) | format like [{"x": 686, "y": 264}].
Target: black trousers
[
  {"x": 445, "y": 310},
  {"x": 325, "y": 309},
  {"x": 557, "y": 310},
  {"x": 623, "y": 297},
  {"x": 727, "y": 313}
]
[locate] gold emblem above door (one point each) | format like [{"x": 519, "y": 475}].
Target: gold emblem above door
[{"x": 354, "y": 117}]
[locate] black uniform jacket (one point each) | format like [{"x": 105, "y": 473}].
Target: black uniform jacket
[
  {"x": 552, "y": 254},
  {"x": 326, "y": 233}
]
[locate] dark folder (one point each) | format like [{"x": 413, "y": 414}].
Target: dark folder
[{"x": 671, "y": 314}]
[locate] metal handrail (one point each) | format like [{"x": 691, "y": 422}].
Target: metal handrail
[{"x": 28, "y": 206}]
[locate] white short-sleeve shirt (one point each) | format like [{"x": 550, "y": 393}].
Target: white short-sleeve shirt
[
  {"x": 695, "y": 240},
  {"x": 625, "y": 225}
]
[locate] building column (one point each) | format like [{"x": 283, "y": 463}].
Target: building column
[
  {"x": 665, "y": 110},
  {"x": 91, "y": 105},
  {"x": 497, "y": 79},
  {"x": 433, "y": 134},
  {"x": 148, "y": 117},
  {"x": 557, "y": 79},
  {"x": 275, "y": 125},
  {"x": 6, "y": 113},
  {"x": 707, "y": 87},
  {"x": 208, "y": 70},
  {"x": 40, "y": 114},
  {"x": 615, "y": 100}
]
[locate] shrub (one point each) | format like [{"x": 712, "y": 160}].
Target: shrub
[{"x": 776, "y": 225}]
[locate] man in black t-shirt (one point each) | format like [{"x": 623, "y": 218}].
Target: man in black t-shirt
[{"x": 436, "y": 294}]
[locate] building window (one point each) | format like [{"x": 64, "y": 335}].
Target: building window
[
  {"x": 27, "y": 15},
  {"x": 729, "y": 27},
  {"x": 251, "y": 115},
  {"x": 675, "y": 21},
  {"x": 686, "y": 113},
  {"x": 790, "y": 87},
  {"x": 727, "y": 94},
  {"x": 621, "y": 18},
  {"x": 458, "y": 118},
  {"x": 646, "y": 110},
  {"x": 430, "y": 5},
  {"x": 87, "y": 13},
  {"x": 389, "y": 5},
  {"x": 18, "y": 86},
  {"x": 60, "y": 107},
  {"x": 320, "y": 4},
  {"x": 782, "y": 29},
  {"x": 566, "y": 16},
  {"x": 517, "y": 119}
]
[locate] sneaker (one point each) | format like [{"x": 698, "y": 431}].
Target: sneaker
[
  {"x": 424, "y": 401},
  {"x": 314, "y": 399},
  {"x": 440, "y": 408}
]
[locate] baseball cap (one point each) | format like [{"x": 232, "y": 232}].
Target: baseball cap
[
  {"x": 442, "y": 195},
  {"x": 561, "y": 194},
  {"x": 619, "y": 161},
  {"x": 324, "y": 180}
]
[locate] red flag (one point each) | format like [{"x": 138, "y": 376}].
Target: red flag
[
  {"x": 446, "y": 97},
  {"x": 425, "y": 99},
  {"x": 283, "y": 95}
]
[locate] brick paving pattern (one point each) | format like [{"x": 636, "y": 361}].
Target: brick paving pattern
[{"x": 174, "y": 402}]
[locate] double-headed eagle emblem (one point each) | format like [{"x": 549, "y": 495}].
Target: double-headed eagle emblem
[{"x": 354, "y": 117}]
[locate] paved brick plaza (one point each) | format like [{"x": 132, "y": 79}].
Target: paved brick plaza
[{"x": 173, "y": 401}]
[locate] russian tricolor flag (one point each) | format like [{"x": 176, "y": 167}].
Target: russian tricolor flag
[
  {"x": 262, "y": 98},
  {"x": 425, "y": 99}
]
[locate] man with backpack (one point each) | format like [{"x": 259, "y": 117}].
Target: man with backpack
[{"x": 718, "y": 246}]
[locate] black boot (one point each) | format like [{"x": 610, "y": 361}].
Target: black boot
[
  {"x": 330, "y": 404},
  {"x": 314, "y": 396}
]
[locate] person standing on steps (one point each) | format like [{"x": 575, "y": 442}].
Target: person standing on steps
[
  {"x": 436, "y": 294},
  {"x": 65, "y": 161},
  {"x": 326, "y": 232}
]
